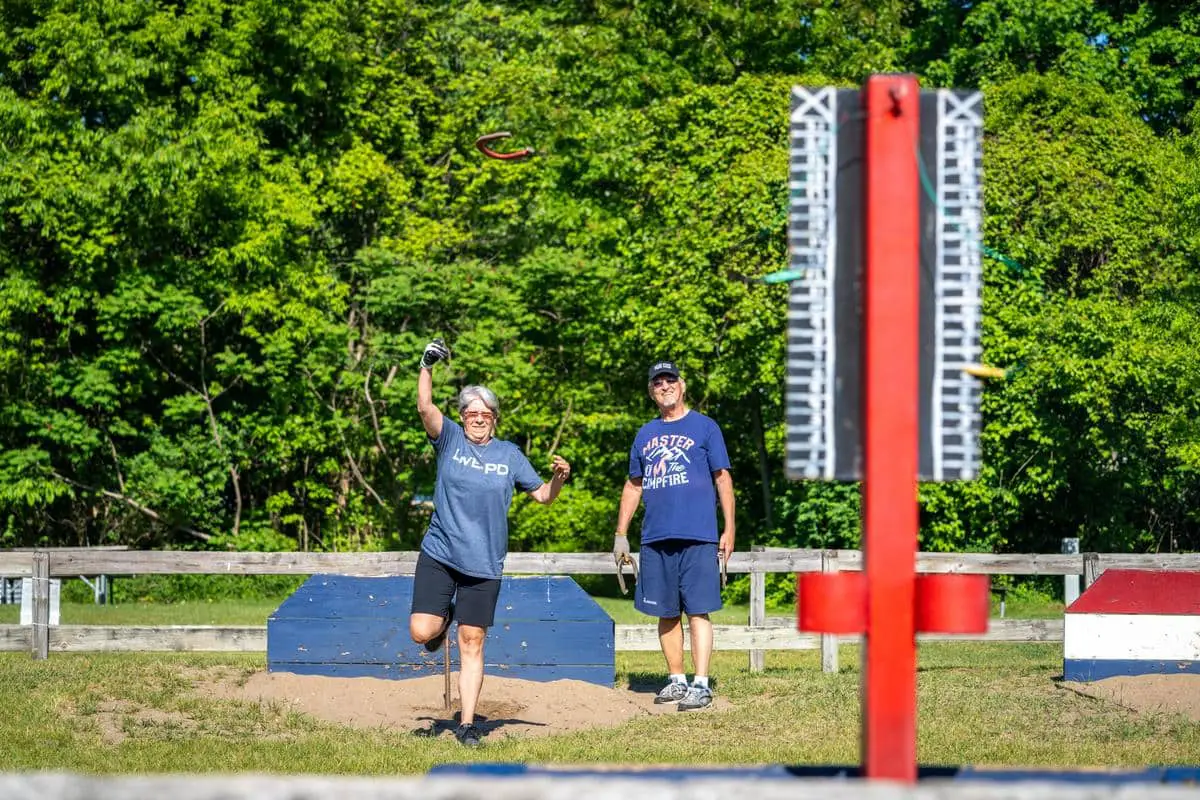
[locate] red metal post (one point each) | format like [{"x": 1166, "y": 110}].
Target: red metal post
[{"x": 890, "y": 426}]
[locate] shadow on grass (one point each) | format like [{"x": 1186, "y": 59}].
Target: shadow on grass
[
  {"x": 646, "y": 682},
  {"x": 437, "y": 726}
]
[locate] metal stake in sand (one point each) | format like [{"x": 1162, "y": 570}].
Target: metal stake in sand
[{"x": 446, "y": 654}]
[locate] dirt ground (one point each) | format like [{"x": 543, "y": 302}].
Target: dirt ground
[
  {"x": 513, "y": 707},
  {"x": 1166, "y": 694},
  {"x": 507, "y": 706}
]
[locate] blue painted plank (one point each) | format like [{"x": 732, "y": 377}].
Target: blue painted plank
[
  {"x": 338, "y": 596},
  {"x": 1056, "y": 775},
  {"x": 600, "y": 674},
  {"x": 1150, "y": 775},
  {"x": 341, "y": 596},
  {"x": 1111, "y": 776},
  {"x": 546, "y": 641},
  {"x": 387, "y": 641},
  {"x": 546, "y": 598},
  {"x": 1095, "y": 669},
  {"x": 1181, "y": 774},
  {"x": 656, "y": 771},
  {"x": 546, "y": 628}
]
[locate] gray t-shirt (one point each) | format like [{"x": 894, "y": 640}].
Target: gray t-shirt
[{"x": 469, "y": 528}]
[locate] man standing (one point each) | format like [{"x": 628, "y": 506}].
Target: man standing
[{"x": 679, "y": 467}]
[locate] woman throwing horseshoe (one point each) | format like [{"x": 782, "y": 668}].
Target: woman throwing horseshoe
[{"x": 462, "y": 555}]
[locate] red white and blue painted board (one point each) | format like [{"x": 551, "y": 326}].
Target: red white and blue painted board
[{"x": 1133, "y": 622}]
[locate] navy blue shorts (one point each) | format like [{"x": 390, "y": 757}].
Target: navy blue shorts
[
  {"x": 678, "y": 575},
  {"x": 436, "y": 584}
]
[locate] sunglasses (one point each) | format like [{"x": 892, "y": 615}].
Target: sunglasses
[
  {"x": 664, "y": 380},
  {"x": 486, "y": 416}
]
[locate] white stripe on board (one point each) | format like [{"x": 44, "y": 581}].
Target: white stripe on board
[{"x": 1168, "y": 637}]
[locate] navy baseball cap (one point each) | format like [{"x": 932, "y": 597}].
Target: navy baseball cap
[{"x": 663, "y": 368}]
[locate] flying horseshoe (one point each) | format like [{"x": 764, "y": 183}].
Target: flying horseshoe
[{"x": 482, "y": 144}]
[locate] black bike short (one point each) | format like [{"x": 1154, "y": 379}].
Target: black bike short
[{"x": 436, "y": 584}]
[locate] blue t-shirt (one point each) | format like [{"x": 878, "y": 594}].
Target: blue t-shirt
[
  {"x": 469, "y": 528},
  {"x": 676, "y": 461}
]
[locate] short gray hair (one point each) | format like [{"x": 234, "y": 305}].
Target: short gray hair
[{"x": 470, "y": 394}]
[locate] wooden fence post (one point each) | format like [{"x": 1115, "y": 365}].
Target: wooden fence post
[
  {"x": 41, "y": 605},
  {"x": 758, "y": 609},
  {"x": 1091, "y": 569},
  {"x": 829, "y": 641}
]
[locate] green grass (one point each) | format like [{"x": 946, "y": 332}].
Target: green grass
[
  {"x": 1028, "y": 608},
  {"x": 980, "y": 704},
  {"x": 623, "y": 613},
  {"x": 983, "y": 704}
]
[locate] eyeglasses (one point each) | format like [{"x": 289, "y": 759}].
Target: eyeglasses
[
  {"x": 471, "y": 416},
  {"x": 664, "y": 380}
]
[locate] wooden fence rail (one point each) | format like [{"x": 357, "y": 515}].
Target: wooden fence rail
[
  {"x": 760, "y": 635},
  {"x": 72, "y": 563},
  {"x": 253, "y": 638}
]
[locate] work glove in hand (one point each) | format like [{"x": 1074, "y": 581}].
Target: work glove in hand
[
  {"x": 620, "y": 549},
  {"x": 435, "y": 351}
]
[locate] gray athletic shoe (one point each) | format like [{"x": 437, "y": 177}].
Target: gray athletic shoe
[
  {"x": 695, "y": 698},
  {"x": 673, "y": 692},
  {"x": 468, "y": 735}
]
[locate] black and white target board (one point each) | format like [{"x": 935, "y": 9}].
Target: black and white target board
[{"x": 824, "y": 413}]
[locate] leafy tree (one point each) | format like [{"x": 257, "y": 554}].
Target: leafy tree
[{"x": 229, "y": 228}]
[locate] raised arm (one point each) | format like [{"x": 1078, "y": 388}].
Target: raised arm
[
  {"x": 431, "y": 415},
  {"x": 546, "y": 493}
]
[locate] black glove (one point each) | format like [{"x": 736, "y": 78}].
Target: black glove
[{"x": 435, "y": 351}]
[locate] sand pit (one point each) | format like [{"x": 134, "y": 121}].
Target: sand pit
[
  {"x": 1162, "y": 694},
  {"x": 507, "y": 707}
]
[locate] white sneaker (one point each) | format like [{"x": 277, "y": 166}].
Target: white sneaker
[
  {"x": 695, "y": 698},
  {"x": 673, "y": 692}
]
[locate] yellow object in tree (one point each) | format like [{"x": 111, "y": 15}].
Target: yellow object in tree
[{"x": 984, "y": 371}]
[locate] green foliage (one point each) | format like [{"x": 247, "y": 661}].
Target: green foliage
[
  {"x": 1090, "y": 436},
  {"x": 1143, "y": 52},
  {"x": 186, "y": 588},
  {"x": 229, "y": 228}
]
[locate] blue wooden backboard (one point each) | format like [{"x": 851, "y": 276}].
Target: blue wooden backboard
[{"x": 546, "y": 628}]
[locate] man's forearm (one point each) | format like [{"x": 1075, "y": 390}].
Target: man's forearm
[
  {"x": 631, "y": 495},
  {"x": 725, "y": 495}
]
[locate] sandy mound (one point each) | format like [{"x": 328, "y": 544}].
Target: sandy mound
[
  {"x": 507, "y": 706},
  {"x": 1165, "y": 694}
]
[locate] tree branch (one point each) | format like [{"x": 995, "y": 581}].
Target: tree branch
[
  {"x": 374, "y": 416},
  {"x": 562, "y": 424},
  {"x": 129, "y": 501},
  {"x": 116, "y": 462},
  {"x": 358, "y": 474}
]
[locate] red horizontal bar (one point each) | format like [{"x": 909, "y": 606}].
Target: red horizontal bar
[
  {"x": 834, "y": 602},
  {"x": 952, "y": 603}
]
